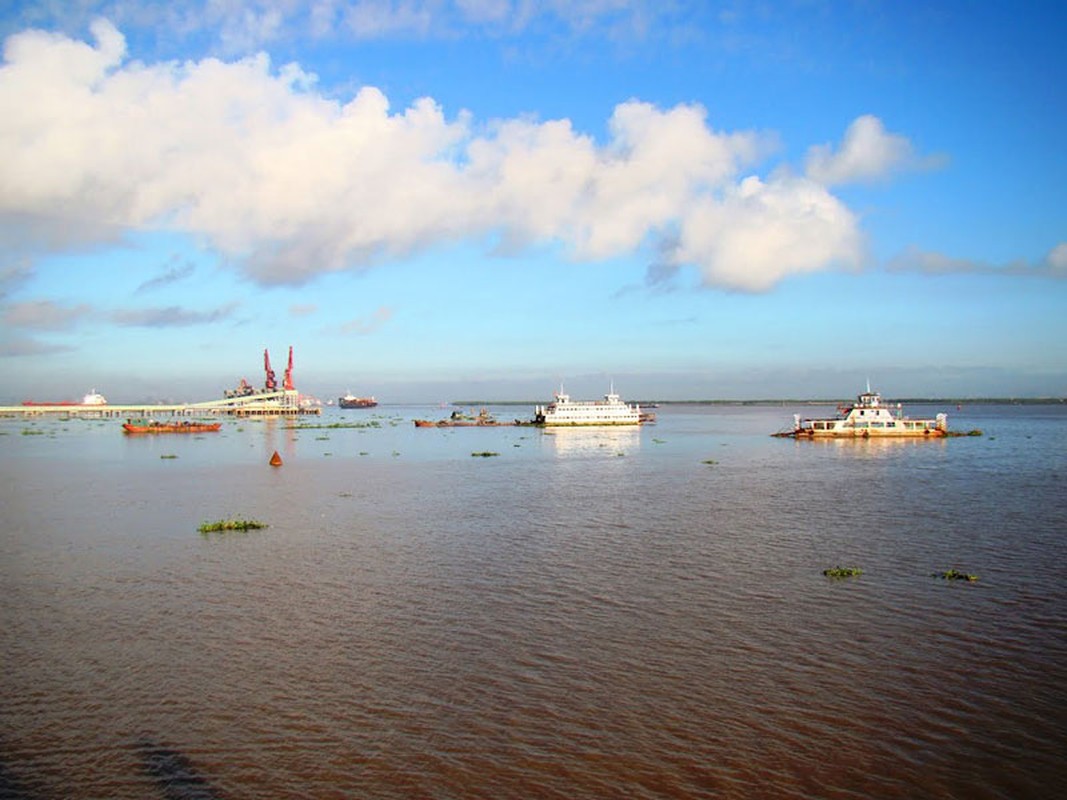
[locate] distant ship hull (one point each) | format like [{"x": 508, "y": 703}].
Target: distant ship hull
[
  {"x": 348, "y": 401},
  {"x": 91, "y": 399}
]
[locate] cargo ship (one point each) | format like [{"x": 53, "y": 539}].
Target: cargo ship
[
  {"x": 351, "y": 401},
  {"x": 93, "y": 398}
]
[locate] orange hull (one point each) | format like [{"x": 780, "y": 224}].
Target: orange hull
[{"x": 171, "y": 427}]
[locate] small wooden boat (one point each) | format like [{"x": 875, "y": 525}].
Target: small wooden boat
[{"x": 152, "y": 426}]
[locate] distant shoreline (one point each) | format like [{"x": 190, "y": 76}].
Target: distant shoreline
[{"x": 968, "y": 401}]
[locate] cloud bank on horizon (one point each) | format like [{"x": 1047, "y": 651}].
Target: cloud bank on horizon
[{"x": 289, "y": 183}]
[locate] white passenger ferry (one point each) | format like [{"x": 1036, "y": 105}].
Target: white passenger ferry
[
  {"x": 566, "y": 412},
  {"x": 868, "y": 418}
]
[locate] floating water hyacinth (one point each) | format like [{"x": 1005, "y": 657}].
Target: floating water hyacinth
[
  {"x": 231, "y": 525},
  {"x": 485, "y": 454},
  {"x": 842, "y": 572},
  {"x": 954, "y": 575}
]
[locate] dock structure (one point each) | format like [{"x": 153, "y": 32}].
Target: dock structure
[{"x": 285, "y": 402}]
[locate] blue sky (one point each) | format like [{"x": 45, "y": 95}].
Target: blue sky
[{"x": 485, "y": 198}]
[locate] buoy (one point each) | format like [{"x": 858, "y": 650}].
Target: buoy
[{"x": 275, "y": 460}]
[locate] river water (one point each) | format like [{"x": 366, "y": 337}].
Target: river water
[{"x": 585, "y": 614}]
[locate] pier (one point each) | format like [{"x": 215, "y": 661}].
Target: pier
[{"x": 285, "y": 402}]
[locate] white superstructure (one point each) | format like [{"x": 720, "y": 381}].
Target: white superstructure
[
  {"x": 868, "y": 418},
  {"x": 566, "y": 412},
  {"x": 94, "y": 398}
]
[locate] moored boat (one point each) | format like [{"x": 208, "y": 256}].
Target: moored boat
[
  {"x": 609, "y": 411},
  {"x": 153, "y": 426},
  {"x": 868, "y": 418},
  {"x": 483, "y": 419}
]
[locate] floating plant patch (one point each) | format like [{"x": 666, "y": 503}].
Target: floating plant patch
[
  {"x": 231, "y": 525},
  {"x": 954, "y": 575},
  {"x": 842, "y": 572}
]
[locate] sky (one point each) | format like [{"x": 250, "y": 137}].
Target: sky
[{"x": 435, "y": 200}]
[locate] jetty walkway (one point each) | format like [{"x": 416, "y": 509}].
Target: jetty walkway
[{"x": 261, "y": 404}]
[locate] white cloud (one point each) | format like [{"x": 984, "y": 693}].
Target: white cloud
[
  {"x": 867, "y": 153},
  {"x": 762, "y": 232},
  {"x": 289, "y": 184}
]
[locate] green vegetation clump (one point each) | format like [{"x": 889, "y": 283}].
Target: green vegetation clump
[
  {"x": 711, "y": 462},
  {"x": 954, "y": 575},
  {"x": 842, "y": 572},
  {"x": 306, "y": 426},
  {"x": 485, "y": 454},
  {"x": 168, "y": 455},
  {"x": 231, "y": 525}
]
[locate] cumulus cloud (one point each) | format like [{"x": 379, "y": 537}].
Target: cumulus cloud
[
  {"x": 288, "y": 184},
  {"x": 762, "y": 232},
  {"x": 867, "y": 153}
]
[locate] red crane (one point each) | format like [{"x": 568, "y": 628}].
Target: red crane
[
  {"x": 272, "y": 384},
  {"x": 288, "y": 383}
]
